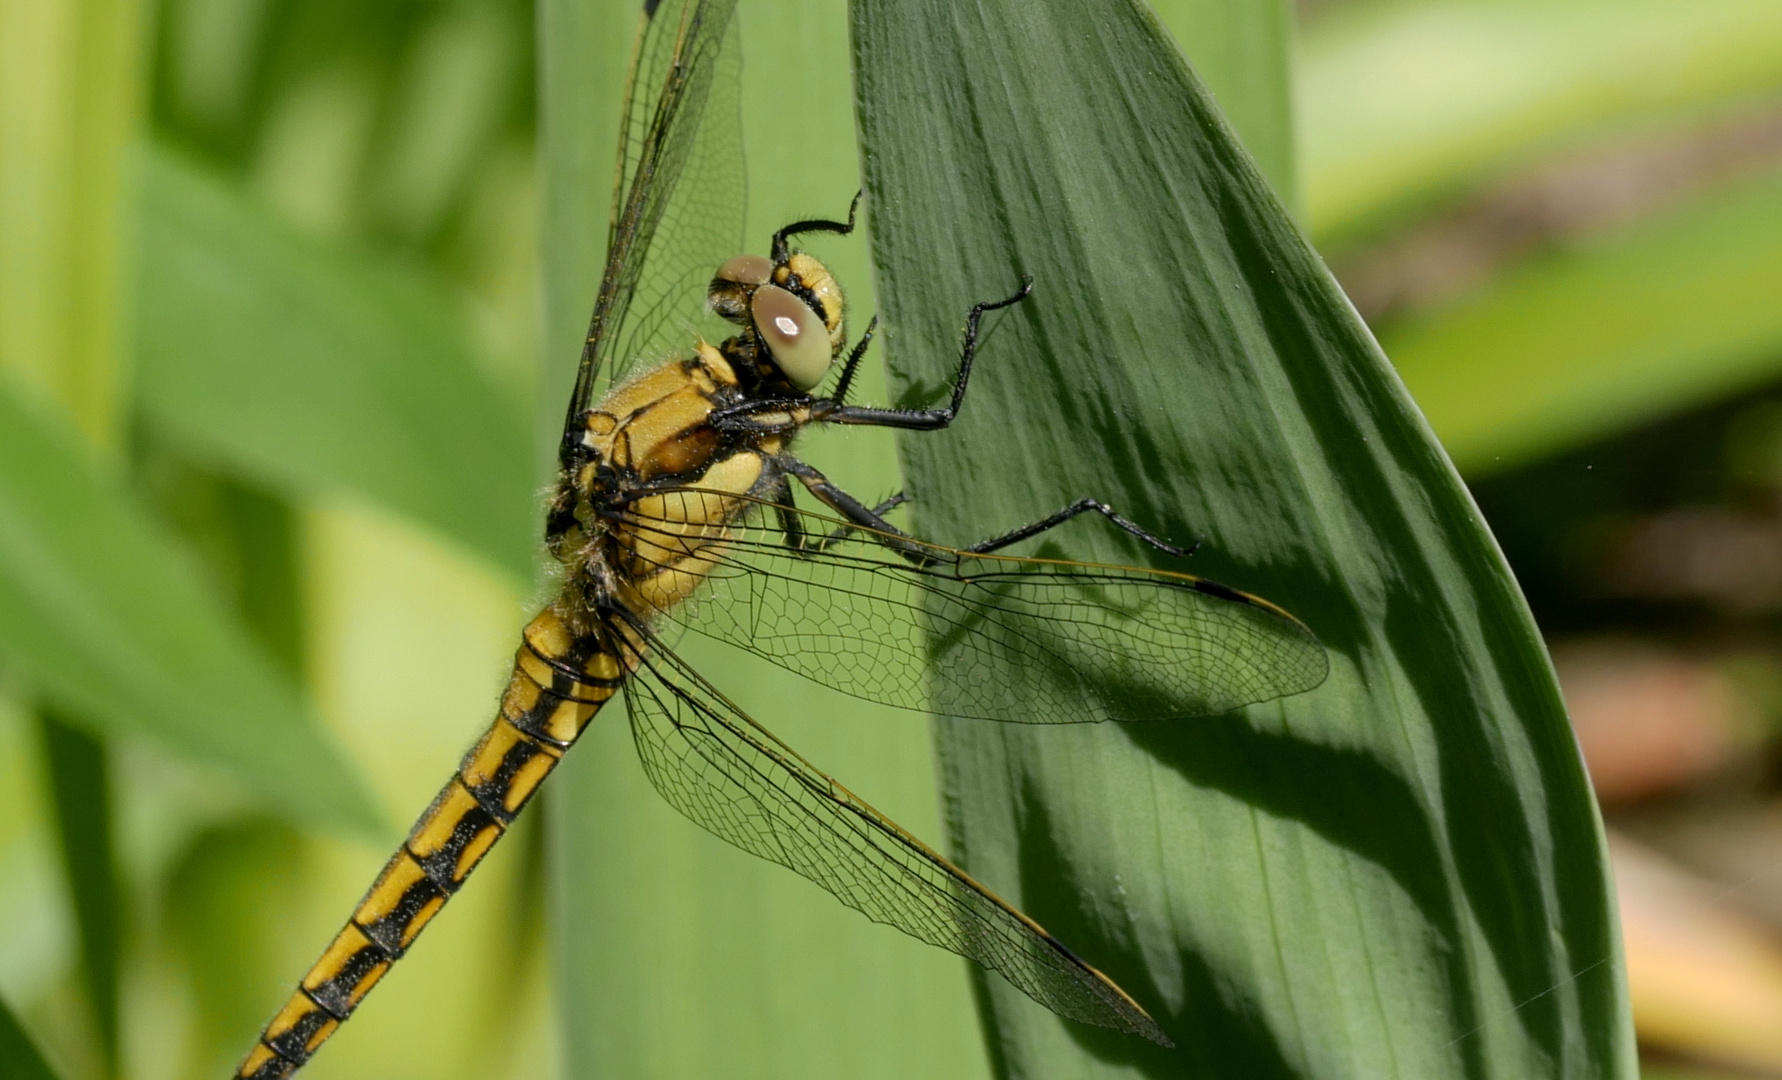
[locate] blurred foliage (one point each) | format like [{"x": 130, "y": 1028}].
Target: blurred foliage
[
  {"x": 1560, "y": 218},
  {"x": 19, "y": 1055}
]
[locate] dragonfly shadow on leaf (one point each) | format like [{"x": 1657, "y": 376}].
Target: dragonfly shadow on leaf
[
  {"x": 1346, "y": 796},
  {"x": 1217, "y": 1030}
]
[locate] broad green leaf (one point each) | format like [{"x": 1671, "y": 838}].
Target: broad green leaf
[
  {"x": 1618, "y": 329},
  {"x": 1400, "y": 873},
  {"x": 316, "y": 368},
  {"x": 19, "y": 1057},
  {"x": 102, "y": 615},
  {"x": 79, "y": 781},
  {"x": 1402, "y": 102}
]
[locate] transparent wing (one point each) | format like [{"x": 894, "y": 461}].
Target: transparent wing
[
  {"x": 733, "y": 777},
  {"x": 678, "y": 201},
  {"x": 992, "y": 636}
]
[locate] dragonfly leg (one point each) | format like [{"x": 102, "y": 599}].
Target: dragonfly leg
[
  {"x": 780, "y": 495},
  {"x": 1081, "y": 506},
  {"x": 857, "y": 512},
  {"x": 834, "y": 412},
  {"x": 839, "y": 535},
  {"x": 841, "y": 228},
  {"x": 840, "y": 395},
  {"x": 762, "y": 417},
  {"x": 797, "y": 541}
]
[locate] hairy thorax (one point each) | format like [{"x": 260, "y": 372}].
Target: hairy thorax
[{"x": 638, "y": 537}]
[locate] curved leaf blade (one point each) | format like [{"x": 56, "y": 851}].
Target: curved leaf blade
[
  {"x": 1400, "y": 873},
  {"x": 101, "y": 613}
]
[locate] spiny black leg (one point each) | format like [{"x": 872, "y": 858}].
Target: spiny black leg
[
  {"x": 878, "y": 511},
  {"x": 742, "y": 418},
  {"x": 925, "y": 419},
  {"x": 813, "y": 225},
  {"x": 856, "y": 511},
  {"x": 1015, "y": 536},
  {"x": 780, "y": 494},
  {"x": 840, "y": 396}
]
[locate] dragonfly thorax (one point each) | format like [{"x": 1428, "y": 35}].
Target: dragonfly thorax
[
  {"x": 652, "y": 434},
  {"x": 791, "y": 319}
]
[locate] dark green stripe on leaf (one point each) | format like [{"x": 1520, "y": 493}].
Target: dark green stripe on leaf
[{"x": 1399, "y": 873}]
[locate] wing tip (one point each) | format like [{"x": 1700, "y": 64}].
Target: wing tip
[{"x": 1151, "y": 1031}]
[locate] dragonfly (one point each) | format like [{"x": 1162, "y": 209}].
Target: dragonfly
[{"x": 674, "y": 511}]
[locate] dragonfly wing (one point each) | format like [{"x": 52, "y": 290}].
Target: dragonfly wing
[
  {"x": 991, "y": 636},
  {"x": 733, "y": 777},
  {"x": 678, "y": 202}
]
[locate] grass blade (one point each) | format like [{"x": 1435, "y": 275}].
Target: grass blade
[{"x": 1401, "y": 873}]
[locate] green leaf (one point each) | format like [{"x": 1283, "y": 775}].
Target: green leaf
[
  {"x": 19, "y": 1057},
  {"x": 1405, "y": 102},
  {"x": 1241, "y": 51},
  {"x": 1400, "y": 873},
  {"x": 104, "y": 616},
  {"x": 316, "y": 368},
  {"x": 79, "y": 782},
  {"x": 1615, "y": 330}
]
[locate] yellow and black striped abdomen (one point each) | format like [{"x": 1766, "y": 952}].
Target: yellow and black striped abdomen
[{"x": 559, "y": 682}]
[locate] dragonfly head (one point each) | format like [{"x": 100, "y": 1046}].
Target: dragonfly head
[{"x": 791, "y": 311}]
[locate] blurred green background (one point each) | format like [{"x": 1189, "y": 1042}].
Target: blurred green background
[{"x": 1563, "y": 220}]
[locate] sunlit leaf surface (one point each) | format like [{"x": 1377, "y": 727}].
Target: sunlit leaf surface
[{"x": 1397, "y": 874}]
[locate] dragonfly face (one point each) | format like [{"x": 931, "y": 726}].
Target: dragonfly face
[
  {"x": 791, "y": 315},
  {"x": 680, "y": 481},
  {"x": 658, "y": 429}
]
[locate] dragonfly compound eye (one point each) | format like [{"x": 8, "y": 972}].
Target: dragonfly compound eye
[
  {"x": 733, "y": 284},
  {"x": 794, "y": 334}
]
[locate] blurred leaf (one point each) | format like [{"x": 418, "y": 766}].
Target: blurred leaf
[
  {"x": 101, "y": 614},
  {"x": 583, "y": 52},
  {"x": 232, "y": 894},
  {"x": 319, "y": 368},
  {"x": 1619, "y": 329},
  {"x": 1400, "y": 873},
  {"x": 69, "y": 91},
  {"x": 19, "y": 1058},
  {"x": 1401, "y": 102},
  {"x": 79, "y": 780}
]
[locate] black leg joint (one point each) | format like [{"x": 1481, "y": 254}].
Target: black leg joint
[{"x": 780, "y": 247}]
